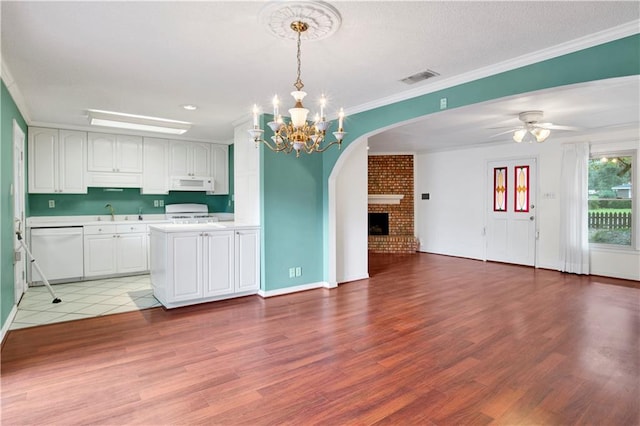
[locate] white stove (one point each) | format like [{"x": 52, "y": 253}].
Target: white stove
[{"x": 188, "y": 213}]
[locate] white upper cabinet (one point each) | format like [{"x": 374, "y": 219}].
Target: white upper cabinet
[
  {"x": 155, "y": 175},
  {"x": 57, "y": 161},
  {"x": 220, "y": 164},
  {"x": 129, "y": 154},
  {"x": 189, "y": 159},
  {"x": 114, "y": 153},
  {"x": 69, "y": 161}
]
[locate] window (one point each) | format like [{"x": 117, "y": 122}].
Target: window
[{"x": 610, "y": 199}]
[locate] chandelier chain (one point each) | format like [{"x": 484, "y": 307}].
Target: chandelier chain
[{"x": 298, "y": 84}]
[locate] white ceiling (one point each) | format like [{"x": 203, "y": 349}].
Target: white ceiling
[{"x": 149, "y": 58}]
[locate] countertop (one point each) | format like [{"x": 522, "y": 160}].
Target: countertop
[
  {"x": 147, "y": 219},
  {"x": 196, "y": 227}
]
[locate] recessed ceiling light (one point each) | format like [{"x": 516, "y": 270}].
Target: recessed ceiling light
[
  {"x": 137, "y": 122},
  {"x": 190, "y": 107}
]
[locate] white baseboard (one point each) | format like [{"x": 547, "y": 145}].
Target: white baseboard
[
  {"x": 294, "y": 289},
  {"x": 355, "y": 278},
  {"x": 7, "y": 323}
]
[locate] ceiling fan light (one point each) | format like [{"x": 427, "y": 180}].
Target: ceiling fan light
[
  {"x": 541, "y": 133},
  {"x": 518, "y": 135}
]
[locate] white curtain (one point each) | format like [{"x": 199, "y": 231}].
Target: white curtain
[{"x": 574, "y": 219}]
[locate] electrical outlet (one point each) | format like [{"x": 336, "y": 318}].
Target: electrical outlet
[
  {"x": 443, "y": 103},
  {"x": 52, "y": 204},
  {"x": 161, "y": 203},
  {"x": 298, "y": 271},
  {"x": 155, "y": 203},
  {"x": 292, "y": 272}
]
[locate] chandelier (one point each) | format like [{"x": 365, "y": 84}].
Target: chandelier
[{"x": 298, "y": 134}]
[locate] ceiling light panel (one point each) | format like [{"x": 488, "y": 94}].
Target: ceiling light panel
[{"x": 137, "y": 122}]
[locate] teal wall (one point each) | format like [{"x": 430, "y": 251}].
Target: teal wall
[
  {"x": 290, "y": 186},
  {"x": 618, "y": 58},
  {"x": 8, "y": 113},
  {"x": 292, "y": 218},
  {"x": 126, "y": 202}
]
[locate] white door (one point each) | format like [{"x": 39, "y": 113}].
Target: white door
[
  {"x": 19, "y": 268},
  {"x": 185, "y": 270},
  {"x": 99, "y": 255},
  {"x": 43, "y": 160},
  {"x": 129, "y": 154},
  {"x": 72, "y": 161},
  {"x": 131, "y": 253},
  {"x": 101, "y": 152},
  {"x": 179, "y": 158},
  {"x": 511, "y": 217},
  {"x": 201, "y": 159},
  {"x": 155, "y": 170},
  {"x": 218, "y": 273},
  {"x": 247, "y": 252}
]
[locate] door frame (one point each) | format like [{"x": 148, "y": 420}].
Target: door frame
[
  {"x": 535, "y": 192},
  {"x": 18, "y": 200}
]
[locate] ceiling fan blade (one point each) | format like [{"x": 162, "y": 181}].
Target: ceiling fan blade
[
  {"x": 556, "y": 127},
  {"x": 503, "y": 133},
  {"x": 502, "y": 127}
]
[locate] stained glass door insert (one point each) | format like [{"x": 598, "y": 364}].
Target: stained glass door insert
[
  {"x": 500, "y": 189},
  {"x": 521, "y": 175}
]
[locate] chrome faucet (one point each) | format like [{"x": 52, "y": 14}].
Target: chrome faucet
[
  {"x": 140, "y": 213},
  {"x": 111, "y": 210}
]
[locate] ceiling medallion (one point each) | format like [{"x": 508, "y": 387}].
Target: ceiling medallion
[{"x": 321, "y": 18}]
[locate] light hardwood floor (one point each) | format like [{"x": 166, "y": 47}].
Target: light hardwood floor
[{"x": 428, "y": 340}]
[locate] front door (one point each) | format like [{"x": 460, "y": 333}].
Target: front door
[
  {"x": 511, "y": 223},
  {"x": 19, "y": 270}
]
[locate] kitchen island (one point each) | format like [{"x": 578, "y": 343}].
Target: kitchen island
[{"x": 198, "y": 263}]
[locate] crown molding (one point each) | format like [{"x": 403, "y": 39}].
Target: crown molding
[
  {"x": 571, "y": 46},
  {"x": 14, "y": 91}
]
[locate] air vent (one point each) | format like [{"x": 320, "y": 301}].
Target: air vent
[{"x": 419, "y": 77}]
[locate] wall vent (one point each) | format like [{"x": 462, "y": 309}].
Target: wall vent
[{"x": 412, "y": 79}]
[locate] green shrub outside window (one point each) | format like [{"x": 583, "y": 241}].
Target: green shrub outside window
[{"x": 610, "y": 199}]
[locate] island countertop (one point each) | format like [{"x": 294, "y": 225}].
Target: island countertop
[{"x": 201, "y": 227}]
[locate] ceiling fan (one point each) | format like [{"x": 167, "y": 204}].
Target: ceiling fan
[{"x": 532, "y": 129}]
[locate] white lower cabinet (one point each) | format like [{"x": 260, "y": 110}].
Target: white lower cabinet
[
  {"x": 247, "y": 252},
  {"x": 189, "y": 267},
  {"x": 114, "y": 249}
]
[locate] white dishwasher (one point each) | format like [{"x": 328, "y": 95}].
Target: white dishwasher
[{"x": 59, "y": 252}]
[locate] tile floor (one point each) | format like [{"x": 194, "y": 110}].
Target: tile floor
[{"x": 84, "y": 299}]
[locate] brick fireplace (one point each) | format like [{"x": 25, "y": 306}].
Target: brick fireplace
[{"x": 391, "y": 191}]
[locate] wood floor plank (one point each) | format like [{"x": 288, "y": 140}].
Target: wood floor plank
[{"x": 430, "y": 340}]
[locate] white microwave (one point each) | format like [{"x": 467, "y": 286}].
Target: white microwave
[{"x": 191, "y": 183}]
